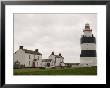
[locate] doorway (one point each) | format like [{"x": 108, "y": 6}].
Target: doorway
[
  {"x": 33, "y": 65},
  {"x": 48, "y": 64}
]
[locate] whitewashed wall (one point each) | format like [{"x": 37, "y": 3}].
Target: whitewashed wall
[
  {"x": 53, "y": 59},
  {"x": 23, "y": 58},
  {"x": 44, "y": 64},
  {"x": 91, "y": 61},
  {"x": 38, "y": 63},
  {"x": 27, "y": 60},
  {"x": 20, "y": 56},
  {"x": 88, "y": 46},
  {"x": 88, "y": 34},
  {"x": 58, "y": 62}
]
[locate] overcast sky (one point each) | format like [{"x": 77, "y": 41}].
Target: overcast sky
[{"x": 52, "y": 32}]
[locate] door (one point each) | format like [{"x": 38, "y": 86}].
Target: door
[
  {"x": 48, "y": 64},
  {"x": 33, "y": 65}
]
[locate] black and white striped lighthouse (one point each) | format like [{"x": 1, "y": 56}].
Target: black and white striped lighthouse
[{"x": 88, "y": 47}]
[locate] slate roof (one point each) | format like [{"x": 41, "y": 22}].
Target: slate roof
[
  {"x": 31, "y": 52},
  {"x": 57, "y": 56},
  {"x": 46, "y": 60}
]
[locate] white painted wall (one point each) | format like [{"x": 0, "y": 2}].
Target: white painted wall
[
  {"x": 88, "y": 46},
  {"x": 53, "y": 59},
  {"x": 59, "y": 62},
  {"x": 88, "y": 33},
  {"x": 44, "y": 64},
  {"x": 91, "y": 61},
  {"x": 20, "y": 56},
  {"x": 38, "y": 63},
  {"x": 27, "y": 60},
  {"x": 24, "y": 59}
]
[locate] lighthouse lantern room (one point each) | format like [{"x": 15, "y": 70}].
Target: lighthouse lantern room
[{"x": 87, "y": 31}]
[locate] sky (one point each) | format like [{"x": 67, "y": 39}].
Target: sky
[{"x": 60, "y": 33}]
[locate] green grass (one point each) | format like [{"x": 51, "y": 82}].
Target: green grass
[{"x": 57, "y": 71}]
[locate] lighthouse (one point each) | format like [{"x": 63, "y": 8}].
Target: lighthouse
[{"x": 88, "y": 47}]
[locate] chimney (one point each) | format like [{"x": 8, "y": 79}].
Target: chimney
[
  {"x": 59, "y": 54},
  {"x": 36, "y": 50},
  {"x": 20, "y": 47},
  {"x": 52, "y": 53}
]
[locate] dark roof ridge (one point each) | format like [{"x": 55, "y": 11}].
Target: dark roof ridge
[
  {"x": 31, "y": 52},
  {"x": 57, "y": 56}
]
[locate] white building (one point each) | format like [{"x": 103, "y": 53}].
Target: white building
[
  {"x": 28, "y": 58},
  {"x": 88, "y": 48},
  {"x": 53, "y": 61},
  {"x": 46, "y": 62},
  {"x": 57, "y": 60}
]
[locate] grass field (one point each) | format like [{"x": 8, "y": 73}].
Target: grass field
[{"x": 57, "y": 71}]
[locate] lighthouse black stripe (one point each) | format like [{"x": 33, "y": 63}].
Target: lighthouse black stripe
[
  {"x": 88, "y": 40},
  {"x": 88, "y": 53}
]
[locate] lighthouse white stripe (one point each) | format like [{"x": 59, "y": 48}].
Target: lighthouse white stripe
[
  {"x": 88, "y": 46},
  {"x": 90, "y": 61}
]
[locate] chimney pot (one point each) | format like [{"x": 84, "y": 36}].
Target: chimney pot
[
  {"x": 59, "y": 54},
  {"x": 36, "y": 50},
  {"x": 52, "y": 53},
  {"x": 20, "y": 47}
]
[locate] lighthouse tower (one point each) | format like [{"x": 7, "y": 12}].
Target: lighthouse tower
[{"x": 88, "y": 47}]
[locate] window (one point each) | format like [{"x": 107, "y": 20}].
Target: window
[
  {"x": 29, "y": 56},
  {"x": 38, "y": 57},
  {"x": 29, "y": 62},
  {"x": 34, "y": 56},
  {"x": 37, "y": 63}
]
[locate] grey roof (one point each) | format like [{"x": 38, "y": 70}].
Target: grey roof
[
  {"x": 31, "y": 52},
  {"x": 57, "y": 56},
  {"x": 46, "y": 60}
]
